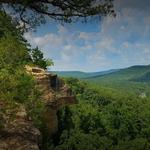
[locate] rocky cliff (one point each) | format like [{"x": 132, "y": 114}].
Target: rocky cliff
[
  {"x": 56, "y": 94},
  {"x": 19, "y": 133}
]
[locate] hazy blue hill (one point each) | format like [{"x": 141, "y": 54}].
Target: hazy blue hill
[
  {"x": 132, "y": 79},
  {"x": 123, "y": 74},
  {"x": 82, "y": 75},
  {"x": 75, "y": 74}
]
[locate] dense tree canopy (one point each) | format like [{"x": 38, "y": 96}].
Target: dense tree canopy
[
  {"x": 32, "y": 13},
  {"x": 102, "y": 121}
]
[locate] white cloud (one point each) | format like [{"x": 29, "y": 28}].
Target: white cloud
[
  {"x": 120, "y": 42},
  {"x": 86, "y": 36},
  {"x": 48, "y": 39}
]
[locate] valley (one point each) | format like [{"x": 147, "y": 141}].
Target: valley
[{"x": 132, "y": 80}]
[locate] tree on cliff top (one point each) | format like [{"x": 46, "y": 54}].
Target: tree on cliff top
[
  {"x": 31, "y": 13},
  {"x": 39, "y": 60}
]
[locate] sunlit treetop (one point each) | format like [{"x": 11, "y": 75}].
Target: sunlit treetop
[{"x": 30, "y": 13}]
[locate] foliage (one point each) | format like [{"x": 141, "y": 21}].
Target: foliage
[
  {"x": 35, "y": 108},
  {"x": 103, "y": 120},
  {"x": 7, "y": 26},
  {"x": 12, "y": 53},
  {"x": 32, "y": 13},
  {"x": 16, "y": 86},
  {"x": 39, "y": 60}
]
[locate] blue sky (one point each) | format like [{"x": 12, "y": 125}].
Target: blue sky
[{"x": 98, "y": 45}]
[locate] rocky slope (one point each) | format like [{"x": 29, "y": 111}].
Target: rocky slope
[
  {"x": 19, "y": 132},
  {"x": 56, "y": 94}
]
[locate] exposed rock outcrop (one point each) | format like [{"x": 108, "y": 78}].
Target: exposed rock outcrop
[
  {"x": 56, "y": 94},
  {"x": 18, "y": 132}
]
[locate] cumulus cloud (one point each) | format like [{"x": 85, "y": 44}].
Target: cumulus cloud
[
  {"x": 48, "y": 39},
  {"x": 120, "y": 42},
  {"x": 129, "y": 31}
]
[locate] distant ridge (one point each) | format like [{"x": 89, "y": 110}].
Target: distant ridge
[
  {"x": 139, "y": 66},
  {"x": 133, "y": 80},
  {"x": 135, "y": 73},
  {"x": 103, "y": 73},
  {"x": 82, "y": 75},
  {"x": 138, "y": 73}
]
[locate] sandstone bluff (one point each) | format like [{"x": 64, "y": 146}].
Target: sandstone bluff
[{"x": 20, "y": 133}]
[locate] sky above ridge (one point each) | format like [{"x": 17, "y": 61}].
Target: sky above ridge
[{"x": 98, "y": 45}]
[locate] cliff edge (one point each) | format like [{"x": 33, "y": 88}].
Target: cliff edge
[
  {"x": 56, "y": 94},
  {"x": 18, "y": 132}
]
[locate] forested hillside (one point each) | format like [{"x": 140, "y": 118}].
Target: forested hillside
[
  {"x": 143, "y": 78},
  {"x": 134, "y": 80},
  {"x": 103, "y": 119},
  {"x": 82, "y": 75}
]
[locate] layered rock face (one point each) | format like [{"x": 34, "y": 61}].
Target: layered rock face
[
  {"x": 56, "y": 94},
  {"x": 18, "y": 133}
]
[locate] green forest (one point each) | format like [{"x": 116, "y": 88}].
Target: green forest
[
  {"x": 109, "y": 115},
  {"x": 103, "y": 119}
]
